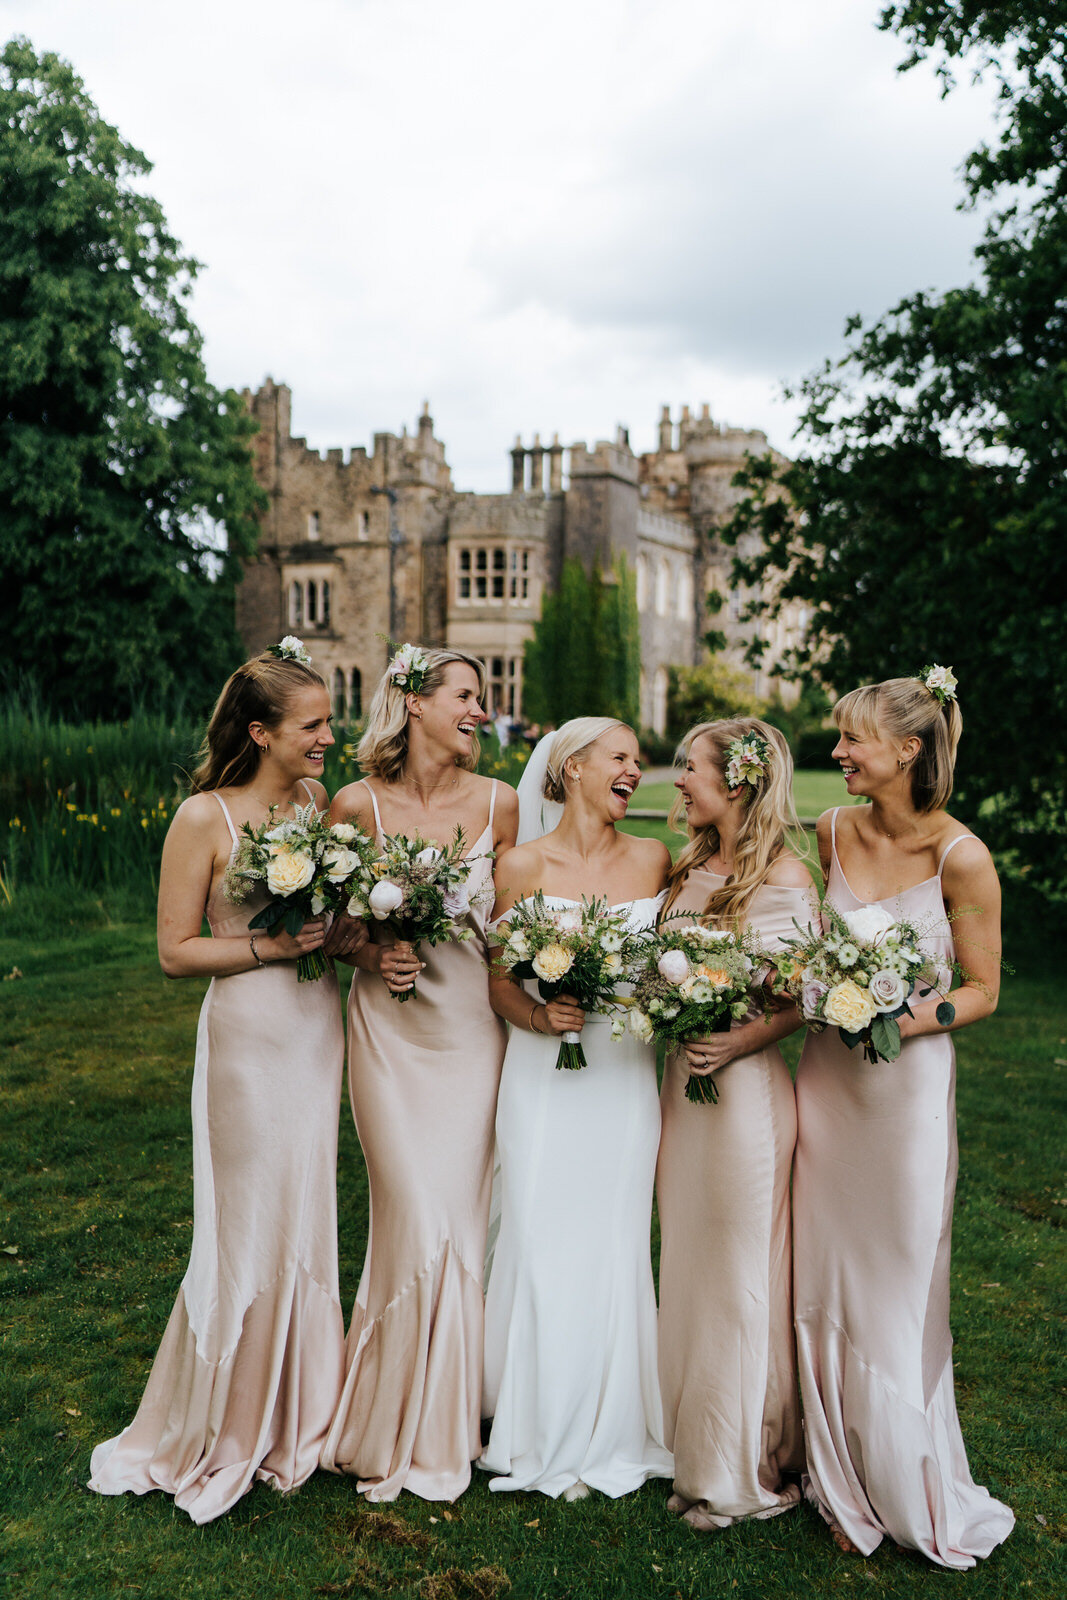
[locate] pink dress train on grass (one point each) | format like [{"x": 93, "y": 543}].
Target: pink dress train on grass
[
  {"x": 246, "y": 1379},
  {"x": 423, "y": 1077},
  {"x": 873, "y": 1191},
  {"x": 727, "y": 1357}
]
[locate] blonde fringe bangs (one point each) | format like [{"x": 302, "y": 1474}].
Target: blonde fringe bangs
[
  {"x": 768, "y": 816},
  {"x": 383, "y": 749}
]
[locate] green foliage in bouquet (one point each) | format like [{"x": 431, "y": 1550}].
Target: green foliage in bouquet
[{"x": 420, "y": 891}]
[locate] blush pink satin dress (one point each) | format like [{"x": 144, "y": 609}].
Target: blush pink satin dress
[
  {"x": 423, "y": 1078},
  {"x": 727, "y": 1359},
  {"x": 246, "y": 1380},
  {"x": 874, "y": 1183}
]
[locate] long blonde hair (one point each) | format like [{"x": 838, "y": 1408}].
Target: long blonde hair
[
  {"x": 904, "y": 708},
  {"x": 383, "y": 749},
  {"x": 259, "y": 691},
  {"x": 768, "y": 814},
  {"x": 573, "y": 742}
]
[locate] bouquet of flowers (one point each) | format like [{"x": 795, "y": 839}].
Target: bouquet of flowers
[
  {"x": 692, "y": 981},
  {"x": 309, "y": 865},
  {"x": 418, "y": 890},
  {"x": 858, "y": 976},
  {"x": 581, "y": 950}
]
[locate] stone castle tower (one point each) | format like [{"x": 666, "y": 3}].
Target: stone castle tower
[{"x": 353, "y": 549}]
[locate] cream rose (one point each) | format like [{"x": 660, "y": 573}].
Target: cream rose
[
  {"x": 339, "y": 863},
  {"x": 553, "y": 963},
  {"x": 640, "y": 1025},
  {"x": 886, "y": 990},
  {"x": 289, "y": 871},
  {"x": 849, "y": 1007},
  {"x": 674, "y": 966},
  {"x": 384, "y": 898},
  {"x": 868, "y": 923}
]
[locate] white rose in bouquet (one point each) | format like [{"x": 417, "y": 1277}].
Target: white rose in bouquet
[
  {"x": 887, "y": 990},
  {"x": 384, "y": 898},
  {"x": 358, "y": 907},
  {"x": 519, "y": 945},
  {"x": 457, "y": 902},
  {"x": 339, "y": 863},
  {"x": 868, "y": 923},
  {"x": 428, "y": 856},
  {"x": 289, "y": 871},
  {"x": 553, "y": 963},
  {"x": 568, "y": 920},
  {"x": 612, "y": 962},
  {"x": 674, "y": 966},
  {"x": 640, "y": 1025},
  {"x": 343, "y": 832}
]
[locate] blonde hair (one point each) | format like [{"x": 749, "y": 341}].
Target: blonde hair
[
  {"x": 383, "y": 749},
  {"x": 768, "y": 813},
  {"x": 573, "y": 742},
  {"x": 259, "y": 691},
  {"x": 904, "y": 708}
]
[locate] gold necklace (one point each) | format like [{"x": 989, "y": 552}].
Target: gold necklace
[{"x": 449, "y": 783}]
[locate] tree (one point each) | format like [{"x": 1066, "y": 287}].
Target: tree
[
  {"x": 120, "y": 464},
  {"x": 711, "y": 692},
  {"x": 925, "y": 517},
  {"x": 585, "y": 655}
]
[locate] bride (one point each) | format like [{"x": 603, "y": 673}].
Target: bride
[{"x": 570, "y": 1334}]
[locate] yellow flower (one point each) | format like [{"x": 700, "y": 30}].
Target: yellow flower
[
  {"x": 849, "y": 1007},
  {"x": 289, "y": 871},
  {"x": 553, "y": 963}
]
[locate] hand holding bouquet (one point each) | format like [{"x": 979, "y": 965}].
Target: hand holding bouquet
[
  {"x": 858, "y": 976},
  {"x": 418, "y": 890},
  {"x": 578, "y": 949},
  {"x": 692, "y": 981},
  {"x": 308, "y": 865}
]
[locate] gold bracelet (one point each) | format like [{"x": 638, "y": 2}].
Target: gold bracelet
[{"x": 534, "y": 1009}]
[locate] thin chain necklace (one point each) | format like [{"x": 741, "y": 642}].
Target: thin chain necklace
[{"x": 431, "y": 788}]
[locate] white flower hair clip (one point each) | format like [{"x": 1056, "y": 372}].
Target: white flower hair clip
[
  {"x": 408, "y": 668},
  {"x": 747, "y": 761},
  {"x": 291, "y": 649},
  {"x": 941, "y": 682}
]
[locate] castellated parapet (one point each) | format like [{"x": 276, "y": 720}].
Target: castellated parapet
[{"x": 356, "y": 546}]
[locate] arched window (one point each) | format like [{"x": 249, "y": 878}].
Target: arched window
[
  {"x": 313, "y": 603},
  {"x": 339, "y": 706},
  {"x": 641, "y": 574},
  {"x": 324, "y": 619},
  {"x": 663, "y": 589},
  {"x": 313, "y": 525},
  {"x": 685, "y": 594},
  {"x": 296, "y": 605},
  {"x": 364, "y": 524},
  {"x": 355, "y": 695},
  {"x": 659, "y": 700}
]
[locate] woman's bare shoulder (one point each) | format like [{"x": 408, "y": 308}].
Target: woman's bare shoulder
[{"x": 789, "y": 872}]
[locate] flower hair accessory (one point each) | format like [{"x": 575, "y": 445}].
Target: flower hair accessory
[
  {"x": 408, "y": 668},
  {"x": 747, "y": 761},
  {"x": 291, "y": 649},
  {"x": 941, "y": 682}
]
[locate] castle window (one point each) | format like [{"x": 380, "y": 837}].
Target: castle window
[
  {"x": 313, "y": 603},
  {"x": 659, "y": 700},
  {"x": 355, "y": 694},
  {"x": 663, "y": 584},
  {"x": 685, "y": 594},
  {"x": 296, "y": 605},
  {"x": 364, "y": 525},
  {"x": 313, "y": 525},
  {"x": 339, "y": 705},
  {"x": 324, "y": 620},
  {"x": 735, "y": 605},
  {"x": 492, "y": 574},
  {"x": 642, "y": 583}
]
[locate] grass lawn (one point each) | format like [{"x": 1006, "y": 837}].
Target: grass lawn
[
  {"x": 813, "y": 793},
  {"x": 95, "y": 1225}
]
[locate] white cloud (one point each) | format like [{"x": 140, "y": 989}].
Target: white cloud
[{"x": 556, "y": 218}]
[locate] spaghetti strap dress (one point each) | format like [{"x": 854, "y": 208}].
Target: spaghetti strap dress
[
  {"x": 246, "y": 1380},
  {"x": 423, "y": 1078},
  {"x": 727, "y": 1357},
  {"x": 874, "y": 1184}
]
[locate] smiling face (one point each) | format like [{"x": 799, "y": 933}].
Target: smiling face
[
  {"x": 608, "y": 773},
  {"x": 299, "y": 740},
  {"x": 871, "y": 763},
  {"x": 452, "y": 714},
  {"x": 702, "y": 786}
]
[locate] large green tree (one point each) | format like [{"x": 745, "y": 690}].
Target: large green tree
[
  {"x": 925, "y": 515},
  {"x": 127, "y": 496},
  {"x": 585, "y": 655}
]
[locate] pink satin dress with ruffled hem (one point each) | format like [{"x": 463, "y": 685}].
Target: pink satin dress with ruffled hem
[
  {"x": 873, "y": 1190},
  {"x": 727, "y": 1358},
  {"x": 423, "y": 1078},
  {"x": 246, "y": 1379}
]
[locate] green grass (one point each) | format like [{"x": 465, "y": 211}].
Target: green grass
[
  {"x": 813, "y": 793},
  {"x": 95, "y": 1222}
]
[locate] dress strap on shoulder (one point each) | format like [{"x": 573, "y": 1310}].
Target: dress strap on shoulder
[
  {"x": 951, "y": 846},
  {"x": 833, "y": 829},
  {"x": 226, "y": 814},
  {"x": 309, "y": 791},
  {"x": 374, "y": 803},
  {"x": 492, "y": 807}
]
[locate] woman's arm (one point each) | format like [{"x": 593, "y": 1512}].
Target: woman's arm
[
  {"x": 971, "y": 891},
  {"x": 190, "y": 860},
  {"x": 509, "y": 1000},
  {"x": 744, "y": 1039}
]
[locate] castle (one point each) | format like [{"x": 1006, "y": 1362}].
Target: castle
[{"x": 353, "y": 549}]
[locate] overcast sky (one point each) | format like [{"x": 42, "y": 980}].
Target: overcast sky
[{"x": 557, "y": 217}]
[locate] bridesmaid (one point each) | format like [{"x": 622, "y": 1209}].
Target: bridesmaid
[
  {"x": 876, "y": 1153},
  {"x": 726, "y": 1354},
  {"x": 247, "y": 1378},
  {"x": 423, "y": 1080}
]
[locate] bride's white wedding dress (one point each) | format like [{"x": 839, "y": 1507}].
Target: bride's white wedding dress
[{"x": 571, "y": 1376}]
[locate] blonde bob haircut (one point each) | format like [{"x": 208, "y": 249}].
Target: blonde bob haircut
[
  {"x": 573, "y": 742},
  {"x": 767, "y": 815},
  {"x": 259, "y": 691},
  {"x": 904, "y": 708},
  {"x": 383, "y": 749}
]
